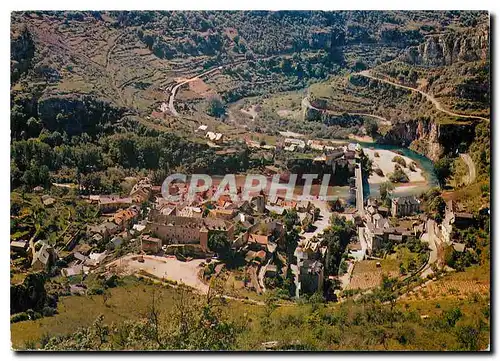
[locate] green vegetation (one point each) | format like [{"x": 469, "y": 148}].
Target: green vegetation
[
  {"x": 385, "y": 190},
  {"x": 336, "y": 238},
  {"x": 399, "y": 175},
  {"x": 442, "y": 168},
  {"x": 371, "y": 127},
  {"x": 218, "y": 242},
  {"x": 86, "y": 93},
  {"x": 399, "y": 160},
  {"x": 310, "y": 325},
  {"x": 434, "y": 204},
  {"x": 216, "y": 107}
]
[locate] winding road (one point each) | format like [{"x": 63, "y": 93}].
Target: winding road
[
  {"x": 261, "y": 276},
  {"x": 430, "y": 237},
  {"x": 171, "y": 100},
  {"x": 437, "y": 104},
  {"x": 307, "y": 103}
]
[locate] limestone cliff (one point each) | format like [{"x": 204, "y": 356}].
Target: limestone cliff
[
  {"x": 430, "y": 138},
  {"x": 22, "y": 51},
  {"x": 449, "y": 48}
]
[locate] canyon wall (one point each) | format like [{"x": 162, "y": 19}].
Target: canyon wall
[
  {"x": 449, "y": 48},
  {"x": 430, "y": 138}
]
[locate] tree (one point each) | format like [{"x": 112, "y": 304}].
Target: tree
[
  {"x": 218, "y": 242},
  {"x": 468, "y": 337},
  {"x": 437, "y": 207},
  {"x": 290, "y": 219},
  {"x": 400, "y": 160},
  {"x": 442, "y": 168},
  {"x": 216, "y": 107},
  {"x": 34, "y": 126},
  {"x": 386, "y": 189},
  {"x": 371, "y": 127},
  {"x": 336, "y": 238},
  {"x": 399, "y": 176}
]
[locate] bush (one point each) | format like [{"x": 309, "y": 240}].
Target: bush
[
  {"x": 112, "y": 281},
  {"x": 95, "y": 291},
  {"x": 400, "y": 160},
  {"x": 399, "y": 176},
  {"x": 18, "y": 317},
  {"x": 216, "y": 107},
  {"x": 48, "y": 311},
  {"x": 371, "y": 127}
]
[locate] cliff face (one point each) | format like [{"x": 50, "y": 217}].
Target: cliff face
[
  {"x": 446, "y": 49},
  {"x": 430, "y": 138},
  {"x": 75, "y": 113},
  {"x": 30, "y": 294},
  {"x": 22, "y": 49}
]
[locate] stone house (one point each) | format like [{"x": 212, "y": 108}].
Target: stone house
[
  {"x": 404, "y": 206},
  {"x": 188, "y": 230},
  {"x": 150, "y": 244},
  {"x": 113, "y": 203},
  {"x": 126, "y": 217},
  {"x": 44, "y": 258},
  {"x": 311, "y": 276}
]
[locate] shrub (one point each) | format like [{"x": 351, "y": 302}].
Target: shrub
[
  {"x": 400, "y": 160},
  {"x": 95, "y": 291},
  {"x": 18, "y": 317},
  {"x": 48, "y": 311},
  {"x": 112, "y": 281},
  {"x": 399, "y": 176}
]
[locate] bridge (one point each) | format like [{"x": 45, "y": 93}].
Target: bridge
[{"x": 359, "y": 190}]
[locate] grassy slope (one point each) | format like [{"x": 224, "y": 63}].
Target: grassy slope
[{"x": 301, "y": 322}]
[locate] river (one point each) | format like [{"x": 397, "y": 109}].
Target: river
[{"x": 423, "y": 162}]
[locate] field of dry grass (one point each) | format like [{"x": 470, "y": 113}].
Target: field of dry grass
[
  {"x": 457, "y": 286},
  {"x": 367, "y": 275}
]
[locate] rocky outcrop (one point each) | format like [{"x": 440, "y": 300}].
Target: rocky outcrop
[
  {"x": 30, "y": 294},
  {"x": 326, "y": 38},
  {"x": 449, "y": 48},
  {"x": 22, "y": 51},
  {"x": 75, "y": 114},
  {"x": 429, "y": 138}
]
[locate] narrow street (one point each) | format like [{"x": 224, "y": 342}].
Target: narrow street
[
  {"x": 431, "y": 238},
  {"x": 262, "y": 273},
  {"x": 320, "y": 224}
]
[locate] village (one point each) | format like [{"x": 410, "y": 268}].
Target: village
[{"x": 190, "y": 240}]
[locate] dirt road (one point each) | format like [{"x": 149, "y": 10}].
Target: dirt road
[
  {"x": 171, "y": 100},
  {"x": 382, "y": 120},
  {"x": 437, "y": 104},
  {"x": 431, "y": 238}
]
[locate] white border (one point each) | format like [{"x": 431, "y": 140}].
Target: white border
[{"x": 8, "y": 6}]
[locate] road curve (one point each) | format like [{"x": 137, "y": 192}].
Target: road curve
[
  {"x": 430, "y": 237},
  {"x": 367, "y": 74},
  {"x": 171, "y": 100},
  {"x": 307, "y": 103},
  {"x": 472, "y": 167}
]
